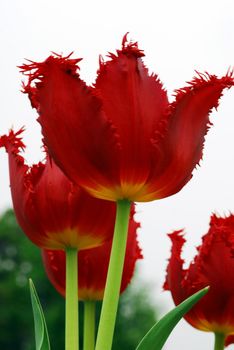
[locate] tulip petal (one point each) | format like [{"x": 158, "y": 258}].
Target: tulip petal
[
  {"x": 24, "y": 180},
  {"x": 85, "y": 144},
  {"x": 188, "y": 123},
  {"x": 175, "y": 271},
  {"x": 21, "y": 181},
  {"x": 136, "y": 103}
]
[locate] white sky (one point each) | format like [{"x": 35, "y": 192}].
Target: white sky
[{"x": 178, "y": 37}]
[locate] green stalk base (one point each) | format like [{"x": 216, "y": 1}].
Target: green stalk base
[
  {"x": 89, "y": 324},
  {"x": 71, "y": 327},
  {"x": 219, "y": 341},
  {"x": 114, "y": 277}
]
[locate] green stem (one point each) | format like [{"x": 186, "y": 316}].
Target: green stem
[
  {"x": 219, "y": 341},
  {"x": 72, "y": 328},
  {"x": 89, "y": 325},
  {"x": 114, "y": 277}
]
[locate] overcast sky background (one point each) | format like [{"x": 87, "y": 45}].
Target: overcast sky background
[{"x": 178, "y": 37}]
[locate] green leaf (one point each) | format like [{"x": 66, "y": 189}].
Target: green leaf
[
  {"x": 158, "y": 334},
  {"x": 41, "y": 332}
]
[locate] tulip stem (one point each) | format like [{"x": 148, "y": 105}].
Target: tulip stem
[
  {"x": 72, "y": 328},
  {"x": 219, "y": 341},
  {"x": 114, "y": 277},
  {"x": 89, "y": 325}
]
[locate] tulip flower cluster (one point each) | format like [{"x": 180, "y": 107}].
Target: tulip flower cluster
[{"x": 107, "y": 146}]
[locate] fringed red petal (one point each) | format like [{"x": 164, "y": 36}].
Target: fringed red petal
[
  {"x": 175, "y": 272},
  {"x": 136, "y": 103},
  {"x": 65, "y": 104},
  {"x": 22, "y": 180},
  {"x": 181, "y": 146}
]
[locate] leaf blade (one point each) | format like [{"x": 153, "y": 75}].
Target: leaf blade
[
  {"x": 159, "y": 333},
  {"x": 41, "y": 332}
]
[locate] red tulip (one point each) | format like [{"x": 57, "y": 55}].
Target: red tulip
[
  {"x": 213, "y": 266},
  {"x": 121, "y": 138},
  {"x": 52, "y": 211},
  {"x": 92, "y": 266}
]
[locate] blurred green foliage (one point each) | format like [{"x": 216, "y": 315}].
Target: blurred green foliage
[{"x": 19, "y": 260}]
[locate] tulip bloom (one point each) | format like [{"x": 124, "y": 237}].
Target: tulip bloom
[
  {"x": 52, "y": 211},
  {"x": 121, "y": 138},
  {"x": 93, "y": 266},
  {"x": 213, "y": 266}
]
